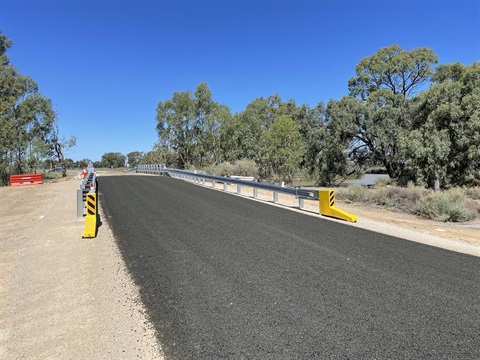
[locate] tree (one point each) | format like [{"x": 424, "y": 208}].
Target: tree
[
  {"x": 445, "y": 143},
  {"x": 311, "y": 122},
  {"x": 26, "y": 116},
  {"x": 134, "y": 158},
  {"x": 282, "y": 149},
  {"x": 59, "y": 145},
  {"x": 395, "y": 69},
  {"x": 189, "y": 125},
  {"x": 113, "y": 160},
  {"x": 377, "y": 114},
  {"x": 82, "y": 163},
  {"x": 241, "y": 134}
]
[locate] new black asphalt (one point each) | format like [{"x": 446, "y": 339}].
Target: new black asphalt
[{"x": 223, "y": 277}]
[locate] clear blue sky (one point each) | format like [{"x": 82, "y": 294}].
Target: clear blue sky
[{"x": 106, "y": 64}]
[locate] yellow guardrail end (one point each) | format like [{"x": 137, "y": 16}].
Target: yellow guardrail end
[
  {"x": 90, "y": 230},
  {"x": 326, "y": 201}
]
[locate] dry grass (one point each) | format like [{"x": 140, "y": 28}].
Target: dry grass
[{"x": 455, "y": 205}]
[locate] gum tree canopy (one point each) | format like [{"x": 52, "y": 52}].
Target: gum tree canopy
[
  {"x": 26, "y": 119},
  {"x": 370, "y": 121}
]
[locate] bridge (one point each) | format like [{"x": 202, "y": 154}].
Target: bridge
[{"x": 224, "y": 277}]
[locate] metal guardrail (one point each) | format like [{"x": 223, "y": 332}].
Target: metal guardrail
[
  {"x": 85, "y": 188},
  {"x": 152, "y": 169},
  {"x": 299, "y": 193}
]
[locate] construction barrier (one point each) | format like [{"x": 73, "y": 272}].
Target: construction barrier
[
  {"x": 26, "y": 179},
  {"x": 326, "y": 200},
  {"x": 91, "y": 222}
]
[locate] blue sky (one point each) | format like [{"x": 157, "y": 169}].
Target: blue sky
[{"x": 106, "y": 64}]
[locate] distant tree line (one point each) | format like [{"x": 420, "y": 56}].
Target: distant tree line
[
  {"x": 29, "y": 134},
  {"x": 419, "y": 122}
]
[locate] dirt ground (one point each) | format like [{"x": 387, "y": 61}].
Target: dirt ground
[
  {"x": 64, "y": 297},
  {"x": 61, "y": 296}
]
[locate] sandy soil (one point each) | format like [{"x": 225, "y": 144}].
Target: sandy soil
[
  {"x": 61, "y": 296},
  {"x": 64, "y": 297}
]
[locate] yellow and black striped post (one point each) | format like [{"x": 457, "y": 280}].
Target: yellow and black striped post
[
  {"x": 91, "y": 222},
  {"x": 326, "y": 200}
]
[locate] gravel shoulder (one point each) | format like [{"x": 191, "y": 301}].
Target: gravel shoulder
[{"x": 61, "y": 296}]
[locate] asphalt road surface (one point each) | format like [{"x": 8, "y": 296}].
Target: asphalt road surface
[{"x": 225, "y": 277}]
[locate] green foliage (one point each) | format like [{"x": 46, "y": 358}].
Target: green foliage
[
  {"x": 473, "y": 193},
  {"x": 28, "y": 126},
  {"x": 419, "y": 138},
  {"x": 392, "y": 197},
  {"x": 189, "y": 126},
  {"x": 241, "y": 135},
  {"x": 245, "y": 167},
  {"x": 446, "y": 206},
  {"x": 445, "y": 143},
  {"x": 389, "y": 120},
  {"x": 134, "y": 158},
  {"x": 451, "y": 205},
  {"x": 370, "y": 127},
  {"x": 112, "y": 160},
  {"x": 281, "y": 149},
  {"x": 395, "y": 69},
  {"x": 242, "y": 167}
]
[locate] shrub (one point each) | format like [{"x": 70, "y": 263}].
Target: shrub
[
  {"x": 473, "y": 193},
  {"x": 52, "y": 175},
  {"x": 354, "y": 193},
  {"x": 225, "y": 169},
  {"x": 446, "y": 206},
  {"x": 245, "y": 167}
]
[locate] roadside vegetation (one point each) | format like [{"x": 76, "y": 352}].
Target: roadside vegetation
[
  {"x": 404, "y": 114},
  {"x": 452, "y": 205},
  {"x": 29, "y": 134}
]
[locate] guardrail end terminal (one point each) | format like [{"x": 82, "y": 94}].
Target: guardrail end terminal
[
  {"x": 90, "y": 230},
  {"x": 326, "y": 201}
]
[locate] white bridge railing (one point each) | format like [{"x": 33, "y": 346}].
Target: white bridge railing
[{"x": 240, "y": 181}]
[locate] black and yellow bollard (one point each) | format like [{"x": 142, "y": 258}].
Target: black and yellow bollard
[
  {"x": 326, "y": 200},
  {"x": 91, "y": 222}
]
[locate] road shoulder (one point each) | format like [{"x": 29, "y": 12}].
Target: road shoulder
[{"x": 62, "y": 296}]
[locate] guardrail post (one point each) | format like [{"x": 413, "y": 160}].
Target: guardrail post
[
  {"x": 239, "y": 189},
  {"x": 255, "y": 193},
  {"x": 275, "y": 197},
  {"x": 225, "y": 186},
  {"x": 213, "y": 184},
  {"x": 80, "y": 204},
  {"x": 301, "y": 204}
]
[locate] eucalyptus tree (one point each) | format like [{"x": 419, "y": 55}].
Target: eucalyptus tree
[
  {"x": 445, "y": 142},
  {"x": 113, "y": 160},
  {"x": 134, "y": 158},
  {"x": 370, "y": 123},
  {"x": 189, "y": 125},
  {"x": 281, "y": 149},
  {"x": 25, "y": 115},
  {"x": 392, "y": 68},
  {"x": 242, "y": 134}
]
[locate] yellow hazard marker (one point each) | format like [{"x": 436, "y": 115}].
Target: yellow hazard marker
[
  {"x": 91, "y": 223},
  {"x": 326, "y": 200}
]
